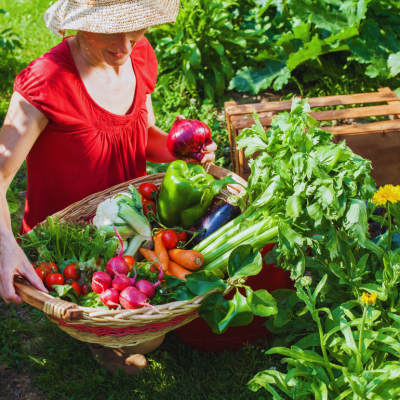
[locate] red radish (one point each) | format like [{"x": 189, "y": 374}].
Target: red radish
[
  {"x": 117, "y": 265},
  {"x": 121, "y": 282},
  {"x": 187, "y": 138},
  {"x": 147, "y": 287},
  {"x": 131, "y": 299},
  {"x": 110, "y": 298},
  {"x": 101, "y": 281}
]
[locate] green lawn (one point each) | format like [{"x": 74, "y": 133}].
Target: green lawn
[{"x": 61, "y": 367}]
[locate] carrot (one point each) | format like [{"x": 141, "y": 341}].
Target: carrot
[
  {"x": 150, "y": 255},
  {"x": 190, "y": 259},
  {"x": 176, "y": 270},
  {"x": 161, "y": 252}
]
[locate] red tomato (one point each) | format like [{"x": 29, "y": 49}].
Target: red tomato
[
  {"x": 170, "y": 239},
  {"x": 146, "y": 190},
  {"x": 54, "y": 279},
  {"x": 40, "y": 273},
  {"x": 77, "y": 288},
  {"x": 130, "y": 261},
  {"x": 49, "y": 268},
  {"x": 84, "y": 288},
  {"x": 70, "y": 272},
  {"x": 182, "y": 237},
  {"x": 148, "y": 206}
]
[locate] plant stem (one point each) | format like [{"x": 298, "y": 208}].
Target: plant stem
[
  {"x": 389, "y": 229},
  {"x": 328, "y": 364},
  {"x": 360, "y": 341}
]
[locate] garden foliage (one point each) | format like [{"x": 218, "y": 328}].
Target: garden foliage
[{"x": 255, "y": 44}]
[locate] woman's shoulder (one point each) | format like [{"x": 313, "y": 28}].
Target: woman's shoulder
[
  {"x": 42, "y": 81},
  {"x": 49, "y": 67}
]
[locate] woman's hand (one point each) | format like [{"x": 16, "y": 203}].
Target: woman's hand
[
  {"x": 14, "y": 262},
  {"x": 209, "y": 155}
]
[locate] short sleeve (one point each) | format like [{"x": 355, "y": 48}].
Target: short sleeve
[
  {"x": 144, "y": 56},
  {"x": 42, "y": 81}
]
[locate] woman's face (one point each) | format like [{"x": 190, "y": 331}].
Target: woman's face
[{"x": 113, "y": 49}]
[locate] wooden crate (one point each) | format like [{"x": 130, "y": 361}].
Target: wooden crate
[{"x": 376, "y": 141}]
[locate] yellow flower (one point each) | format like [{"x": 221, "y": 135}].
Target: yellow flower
[
  {"x": 369, "y": 299},
  {"x": 386, "y": 193}
]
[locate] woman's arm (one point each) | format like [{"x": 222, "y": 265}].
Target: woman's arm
[
  {"x": 156, "y": 150},
  {"x": 22, "y": 126}
]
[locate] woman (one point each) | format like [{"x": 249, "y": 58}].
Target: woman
[{"x": 82, "y": 116}]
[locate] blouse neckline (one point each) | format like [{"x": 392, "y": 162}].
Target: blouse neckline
[{"x": 133, "y": 109}]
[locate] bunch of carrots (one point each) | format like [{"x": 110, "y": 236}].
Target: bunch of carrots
[{"x": 176, "y": 262}]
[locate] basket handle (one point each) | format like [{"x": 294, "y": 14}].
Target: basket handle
[{"x": 49, "y": 305}]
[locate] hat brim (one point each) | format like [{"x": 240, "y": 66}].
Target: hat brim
[{"x": 109, "y": 16}]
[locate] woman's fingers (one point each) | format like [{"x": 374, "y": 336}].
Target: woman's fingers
[
  {"x": 7, "y": 289},
  {"x": 209, "y": 155},
  {"x": 210, "y": 148},
  {"x": 30, "y": 274}
]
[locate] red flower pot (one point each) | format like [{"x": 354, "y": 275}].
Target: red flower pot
[{"x": 198, "y": 335}]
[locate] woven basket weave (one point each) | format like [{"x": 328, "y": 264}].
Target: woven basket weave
[{"x": 118, "y": 328}]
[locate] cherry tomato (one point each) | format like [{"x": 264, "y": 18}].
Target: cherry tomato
[
  {"x": 130, "y": 261},
  {"x": 77, "y": 288},
  {"x": 49, "y": 268},
  {"x": 170, "y": 239},
  {"x": 84, "y": 288},
  {"x": 40, "y": 273},
  {"x": 182, "y": 237},
  {"x": 54, "y": 279},
  {"x": 146, "y": 189},
  {"x": 148, "y": 206},
  {"x": 70, "y": 272}
]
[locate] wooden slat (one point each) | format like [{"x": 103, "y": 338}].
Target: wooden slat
[
  {"x": 387, "y": 90},
  {"x": 359, "y": 112},
  {"x": 36, "y": 299},
  {"x": 230, "y": 103},
  {"x": 373, "y": 127},
  {"x": 361, "y": 98}
]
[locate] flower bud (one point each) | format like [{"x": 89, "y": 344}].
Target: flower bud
[
  {"x": 306, "y": 281},
  {"x": 369, "y": 299}
]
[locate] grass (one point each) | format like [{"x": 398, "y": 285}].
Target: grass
[{"x": 63, "y": 368}]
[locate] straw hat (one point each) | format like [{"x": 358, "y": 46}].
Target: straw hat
[{"x": 109, "y": 16}]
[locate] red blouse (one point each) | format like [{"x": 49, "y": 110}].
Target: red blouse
[{"x": 84, "y": 148}]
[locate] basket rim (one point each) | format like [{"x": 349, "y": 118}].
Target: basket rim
[{"x": 120, "y": 318}]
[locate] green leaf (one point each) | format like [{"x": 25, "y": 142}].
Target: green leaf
[
  {"x": 262, "y": 303},
  {"x": 213, "y": 310},
  {"x": 394, "y": 64},
  {"x": 254, "y": 80},
  {"x": 203, "y": 281},
  {"x": 288, "y": 238},
  {"x": 298, "y": 354},
  {"x": 239, "y": 313},
  {"x": 92, "y": 300},
  {"x": 320, "y": 391},
  {"x": 67, "y": 291},
  {"x": 223, "y": 183},
  {"x": 243, "y": 261},
  {"x": 294, "y": 207}
]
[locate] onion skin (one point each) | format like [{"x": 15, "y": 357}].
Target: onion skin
[{"x": 187, "y": 138}]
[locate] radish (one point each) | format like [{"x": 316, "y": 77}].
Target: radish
[
  {"x": 110, "y": 298},
  {"x": 131, "y": 299},
  {"x": 147, "y": 287},
  {"x": 121, "y": 282},
  {"x": 101, "y": 281},
  {"x": 117, "y": 265}
]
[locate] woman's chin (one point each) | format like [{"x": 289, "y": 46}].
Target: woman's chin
[{"x": 116, "y": 62}]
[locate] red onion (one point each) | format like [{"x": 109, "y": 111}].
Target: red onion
[{"x": 187, "y": 138}]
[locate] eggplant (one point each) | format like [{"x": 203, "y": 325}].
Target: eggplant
[{"x": 219, "y": 215}]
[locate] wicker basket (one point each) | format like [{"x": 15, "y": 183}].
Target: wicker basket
[{"x": 117, "y": 328}]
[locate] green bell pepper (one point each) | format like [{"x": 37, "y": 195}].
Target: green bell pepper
[{"x": 186, "y": 194}]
